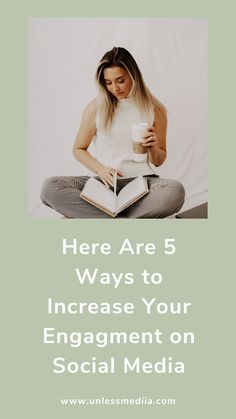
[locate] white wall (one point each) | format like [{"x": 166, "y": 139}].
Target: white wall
[{"x": 63, "y": 54}]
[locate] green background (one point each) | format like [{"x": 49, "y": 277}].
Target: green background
[{"x": 201, "y": 271}]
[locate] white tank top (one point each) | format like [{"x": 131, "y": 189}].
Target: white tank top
[{"x": 113, "y": 147}]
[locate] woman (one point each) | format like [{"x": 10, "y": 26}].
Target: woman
[{"x": 123, "y": 99}]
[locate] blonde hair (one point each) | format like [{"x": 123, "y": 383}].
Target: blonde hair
[{"x": 107, "y": 103}]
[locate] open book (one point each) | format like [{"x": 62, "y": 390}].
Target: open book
[{"x": 98, "y": 195}]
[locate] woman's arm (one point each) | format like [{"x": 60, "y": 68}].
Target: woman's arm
[
  {"x": 155, "y": 140},
  {"x": 87, "y": 131}
]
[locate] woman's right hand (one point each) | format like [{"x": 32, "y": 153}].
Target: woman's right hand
[{"x": 107, "y": 175}]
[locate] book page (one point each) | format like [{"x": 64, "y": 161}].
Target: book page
[
  {"x": 131, "y": 191},
  {"x": 97, "y": 192}
]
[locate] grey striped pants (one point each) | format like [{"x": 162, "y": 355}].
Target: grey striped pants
[{"x": 62, "y": 193}]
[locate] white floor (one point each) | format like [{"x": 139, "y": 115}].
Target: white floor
[{"x": 41, "y": 211}]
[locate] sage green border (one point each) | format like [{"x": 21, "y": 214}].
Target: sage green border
[{"x": 202, "y": 269}]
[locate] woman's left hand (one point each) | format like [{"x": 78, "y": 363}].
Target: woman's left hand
[
  {"x": 155, "y": 138},
  {"x": 156, "y": 155},
  {"x": 150, "y": 139}
]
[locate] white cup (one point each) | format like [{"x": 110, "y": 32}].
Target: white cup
[{"x": 138, "y": 133}]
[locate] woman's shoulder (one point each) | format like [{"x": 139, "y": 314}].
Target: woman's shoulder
[
  {"x": 91, "y": 106},
  {"x": 160, "y": 110},
  {"x": 89, "y": 113}
]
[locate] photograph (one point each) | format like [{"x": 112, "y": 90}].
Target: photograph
[{"x": 117, "y": 118}]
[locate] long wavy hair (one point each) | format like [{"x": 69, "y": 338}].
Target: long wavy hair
[{"x": 107, "y": 102}]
